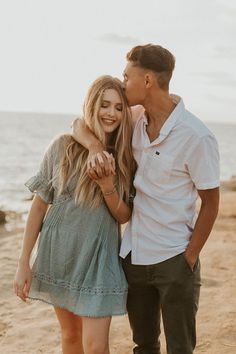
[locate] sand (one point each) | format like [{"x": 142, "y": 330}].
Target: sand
[{"x": 32, "y": 327}]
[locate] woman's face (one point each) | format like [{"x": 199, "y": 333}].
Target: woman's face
[{"x": 110, "y": 113}]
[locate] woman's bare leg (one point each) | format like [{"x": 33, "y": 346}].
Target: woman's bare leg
[
  {"x": 71, "y": 331},
  {"x": 96, "y": 335}
]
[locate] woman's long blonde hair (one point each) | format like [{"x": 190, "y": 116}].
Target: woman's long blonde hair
[{"x": 74, "y": 161}]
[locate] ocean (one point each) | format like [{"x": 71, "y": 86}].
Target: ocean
[{"x": 25, "y": 136}]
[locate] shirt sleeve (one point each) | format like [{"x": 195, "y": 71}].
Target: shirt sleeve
[
  {"x": 41, "y": 183},
  {"x": 203, "y": 163},
  {"x": 136, "y": 114}
]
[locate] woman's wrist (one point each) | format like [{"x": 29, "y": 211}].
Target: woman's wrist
[
  {"x": 108, "y": 193},
  {"x": 95, "y": 147},
  {"x": 107, "y": 190},
  {"x": 24, "y": 261}
]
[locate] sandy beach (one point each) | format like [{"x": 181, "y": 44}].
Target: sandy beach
[{"x": 32, "y": 327}]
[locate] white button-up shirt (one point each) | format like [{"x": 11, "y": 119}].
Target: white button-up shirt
[{"x": 181, "y": 160}]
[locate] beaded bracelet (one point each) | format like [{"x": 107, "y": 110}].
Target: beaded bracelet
[{"x": 109, "y": 193}]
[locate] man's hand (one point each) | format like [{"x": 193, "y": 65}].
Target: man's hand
[
  {"x": 203, "y": 226},
  {"x": 190, "y": 259}
]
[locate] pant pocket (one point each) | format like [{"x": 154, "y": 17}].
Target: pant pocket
[{"x": 196, "y": 265}]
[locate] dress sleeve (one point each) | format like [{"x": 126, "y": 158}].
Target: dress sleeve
[{"x": 41, "y": 183}]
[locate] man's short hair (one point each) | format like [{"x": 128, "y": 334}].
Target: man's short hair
[{"x": 155, "y": 58}]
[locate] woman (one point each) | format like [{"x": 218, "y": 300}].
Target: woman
[{"x": 77, "y": 268}]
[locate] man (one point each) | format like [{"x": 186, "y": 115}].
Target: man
[{"x": 177, "y": 159}]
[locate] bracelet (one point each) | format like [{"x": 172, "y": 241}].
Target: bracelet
[{"x": 109, "y": 193}]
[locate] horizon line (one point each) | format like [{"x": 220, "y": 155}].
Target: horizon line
[{"x": 79, "y": 113}]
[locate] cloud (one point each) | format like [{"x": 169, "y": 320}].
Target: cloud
[
  {"x": 219, "y": 99},
  {"x": 225, "y": 52},
  {"x": 217, "y": 78},
  {"x": 115, "y": 38},
  {"x": 229, "y": 11}
]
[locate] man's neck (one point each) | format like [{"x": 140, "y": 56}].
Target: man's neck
[{"x": 158, "y": 108}]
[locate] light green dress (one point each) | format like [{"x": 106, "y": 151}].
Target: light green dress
[{"x": 77, "y": 266}]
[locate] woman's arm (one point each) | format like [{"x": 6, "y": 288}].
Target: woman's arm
[
  {"x": 34, "y": 222},
  {"x": 118, "y": 208}
]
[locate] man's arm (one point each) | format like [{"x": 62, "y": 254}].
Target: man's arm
[
  {"x": 96, "y": 158},
  {"x": 85, "y": 137},
  {"x": 205, "y": 221}
]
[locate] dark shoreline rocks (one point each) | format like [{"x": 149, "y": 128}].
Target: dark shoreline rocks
[
  {"x": 10, "y": 216},
  {"x": 230, "y": 184},
  {"x": 2, "y": 217}
]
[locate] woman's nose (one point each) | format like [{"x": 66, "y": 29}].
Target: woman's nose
[{"x": 111, "y": 111}]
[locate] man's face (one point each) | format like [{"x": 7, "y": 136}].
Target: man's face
[{"x": 134, "y": 84}]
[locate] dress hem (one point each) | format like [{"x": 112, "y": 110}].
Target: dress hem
[{"x": 74, "y": 312}]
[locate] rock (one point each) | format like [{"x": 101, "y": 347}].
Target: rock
[
  {"x": 2, "y": 217},
  {"x": 31, "y": 197},
  {"x": 230, "y": 184}
]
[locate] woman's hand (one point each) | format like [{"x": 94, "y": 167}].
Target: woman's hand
[
  {"x": 104, "y": 178},
  {"x": 100, "y": 164},
  {"x": 116, "y": 205},
  {"x": 105, "y": 181},
  {"x": 22, "y": 281}
]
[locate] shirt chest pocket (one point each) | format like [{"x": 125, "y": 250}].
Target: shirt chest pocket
[{"x": 159, "y": 167}]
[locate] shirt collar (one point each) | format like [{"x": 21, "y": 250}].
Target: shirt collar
[{"x": 171, "y": 120}]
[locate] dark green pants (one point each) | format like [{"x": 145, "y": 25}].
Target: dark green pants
[{"x": 170, "y": 289}]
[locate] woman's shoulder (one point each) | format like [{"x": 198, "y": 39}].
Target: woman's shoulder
[
  {"x": 59, "y": 143},
  {"x": 61, "y": 139}
]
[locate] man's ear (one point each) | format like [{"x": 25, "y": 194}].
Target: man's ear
[{"x": 148, "y": 80}]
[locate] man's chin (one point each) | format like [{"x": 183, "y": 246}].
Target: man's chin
[{"x": 131, "y": 104}]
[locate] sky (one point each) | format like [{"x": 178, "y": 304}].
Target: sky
[{"x": 51, "y": 50}]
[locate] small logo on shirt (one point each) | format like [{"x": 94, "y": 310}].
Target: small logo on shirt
[{"x": 157, "y": 153}]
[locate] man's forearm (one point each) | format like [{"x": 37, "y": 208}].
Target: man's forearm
[
  {"x": 202, "y": 230},
  {"x": 85, "y": 137}
]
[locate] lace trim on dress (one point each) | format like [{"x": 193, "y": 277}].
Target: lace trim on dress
[{"x": 85, "y": 290}]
